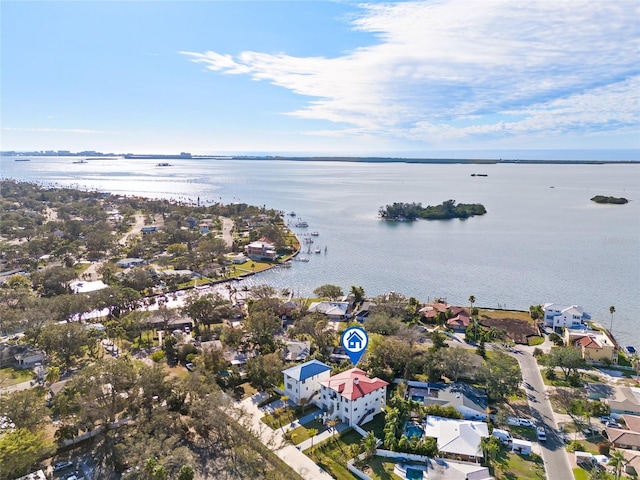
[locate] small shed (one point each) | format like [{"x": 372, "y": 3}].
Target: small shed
[{"x": 521, "y": 446}]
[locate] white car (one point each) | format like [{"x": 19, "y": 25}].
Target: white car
[
  {"x": 525, "y": 422},
  {"x": 542, "y": 435}
]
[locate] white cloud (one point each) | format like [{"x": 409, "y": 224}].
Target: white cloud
[{"x": 456, "y": 69}]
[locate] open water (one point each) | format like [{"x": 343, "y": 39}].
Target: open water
[{"x": 542, "y": 239}]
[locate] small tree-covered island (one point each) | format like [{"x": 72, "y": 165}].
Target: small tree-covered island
[
  {"x": 447, "y": 209},
  {"x": 609, "y": 199}
]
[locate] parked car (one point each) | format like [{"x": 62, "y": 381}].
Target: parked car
[
  {"x": 541, "y": 433},
  {"x": 62, "y": 465},
  {"x": 613, "y": 424},
  {"x": 605, "y": 419},
  {"x": 525, "y": 422}
]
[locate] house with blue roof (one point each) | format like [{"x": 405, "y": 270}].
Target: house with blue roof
[{"x": 303, "y": 381}]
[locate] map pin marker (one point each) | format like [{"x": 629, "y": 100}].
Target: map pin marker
[{"x": 355, "y": 341}]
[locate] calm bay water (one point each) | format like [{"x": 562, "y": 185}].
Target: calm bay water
[{"x": 542, "y": 239}]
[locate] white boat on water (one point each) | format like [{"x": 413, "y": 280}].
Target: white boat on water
[
  {"x": 302, "y": 259},
  {"x": 315, "y": 234},
  {"x": 301, "y": 224},
  {"x": 317, "y": 250}
]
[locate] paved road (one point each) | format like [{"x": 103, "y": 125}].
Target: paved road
[
  {"x": 227, "y": 231},
  {"x": 554, "y": 455}
]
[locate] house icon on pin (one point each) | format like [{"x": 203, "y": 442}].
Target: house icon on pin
[{"x": 354, "y": 341}]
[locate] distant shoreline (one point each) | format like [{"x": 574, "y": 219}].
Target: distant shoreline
[{"x": 337, "y": 159}]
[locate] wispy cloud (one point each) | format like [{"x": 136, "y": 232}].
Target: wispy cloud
[
  {"x": 455, "y": 69},
  {"x": 58, "y": 130}
]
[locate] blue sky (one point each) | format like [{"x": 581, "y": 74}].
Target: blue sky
[{"x": 317, "y": 77}]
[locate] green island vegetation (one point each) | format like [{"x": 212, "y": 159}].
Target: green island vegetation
[
  {"x": 158, "y": 377},
  {"x": 446, "y": 210},
  {"x": 609, "y": 199}
]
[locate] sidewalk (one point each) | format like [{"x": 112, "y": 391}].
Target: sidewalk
[{"x": 274, "y": 440}]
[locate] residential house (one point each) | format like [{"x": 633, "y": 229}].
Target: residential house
[
  {"x": 295, "y": 351},
  {"x": 303, "y": 381},
  {"x": 595, "y": 345},
  {"x": 335, "y": 311},
  {"x": 457, "y": 438},
  {"x": 204, "y": 228},
  {"x": 558, "y": 316},
  {"x": 625, "y": 401},
  {"x": 86, "y": 287},
  {"x": 353, "y": 397},
  {"x": 55, "y": 389},
  {"x": 21, "y": 356},
  {"x": 470, "y": 401},
  {"x": 131, "y": 262},
  {"x": 459, "y": 318},
  {"x": 446, "y": 469},
  {"x": 620, "y": 438},
  {"x": 27, "y": 356},
  {"x": 149, "y": 229},
  {"x": 261, "y": 250}
]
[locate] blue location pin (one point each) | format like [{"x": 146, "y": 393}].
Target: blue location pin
[{"x": 355, "y": 341}]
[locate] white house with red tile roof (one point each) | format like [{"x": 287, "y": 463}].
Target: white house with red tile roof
[{"x": 353, "y": 397}]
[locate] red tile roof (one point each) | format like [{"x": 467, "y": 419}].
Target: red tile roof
[
  {"x": 353, "y": 383},
  {"x": 588, "y": 342}
]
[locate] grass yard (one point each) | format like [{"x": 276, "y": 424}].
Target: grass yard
[
  {"x": 301, "y": 433},
  {"x": 381, "y": 469},
  {"x": 278, "y": 419},
  {"x": 376, "y": 426},
  {"x": 11, "y": 376},
  {"x": 244, "y": 390},
  {"x": 509, "y": 465},
  {"x": 332, "y": 454}
]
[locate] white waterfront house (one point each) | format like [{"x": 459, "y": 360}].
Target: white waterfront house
[
  {"x": 303, "y": 381},
  {"x": 353, "y": 397},
  {"x": 559, "y": 316}
]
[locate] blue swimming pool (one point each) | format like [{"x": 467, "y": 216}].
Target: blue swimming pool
[
  {"x": 413, "y": 430},
  {"x": 414, "y": 474},
  {"x": 417, "y": 398}
]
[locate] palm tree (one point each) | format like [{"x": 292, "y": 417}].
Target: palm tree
[
  {"x": 472, "y": 300},
  {"x": 53, "y": 375},
  {"x": 312, "y": 433},
  {"x": 617, "y": 461},
  {"x": 612, "y": 310}
]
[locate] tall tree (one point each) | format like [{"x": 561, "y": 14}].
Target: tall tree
[
  {"x": 612, "y": 310},
  {"x": 332, "y": 292}
]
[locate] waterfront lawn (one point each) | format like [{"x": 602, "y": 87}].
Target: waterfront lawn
[{"x": 332, "y": 454}]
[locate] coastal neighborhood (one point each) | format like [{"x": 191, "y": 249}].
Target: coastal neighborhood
[{"x": 133, "y": 347}]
